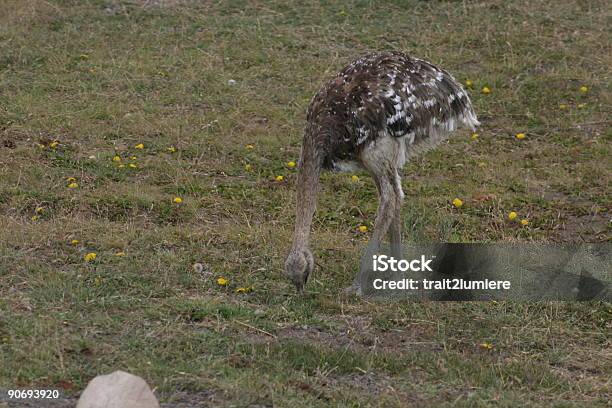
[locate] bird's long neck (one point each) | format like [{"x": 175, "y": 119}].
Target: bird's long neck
[{"x": 307, "y": 187}]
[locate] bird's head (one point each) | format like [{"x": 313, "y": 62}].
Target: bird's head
[{"x": 298, "y": 266}]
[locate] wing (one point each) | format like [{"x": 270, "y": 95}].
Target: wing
[{"x": 405, "y": 97}]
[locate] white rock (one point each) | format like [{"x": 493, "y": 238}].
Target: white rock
[
  {"x": 231, "y": 82},
  {"x": 117, "y": 390}
]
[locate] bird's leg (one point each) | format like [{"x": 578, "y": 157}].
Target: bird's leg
[
  {"x": 395, "y": 233},
  {"x": 395, "y": 229},
  {"x": 384, "y": 217}
]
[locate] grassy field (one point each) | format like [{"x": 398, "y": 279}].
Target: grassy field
[{"x": 216, "y": 93}]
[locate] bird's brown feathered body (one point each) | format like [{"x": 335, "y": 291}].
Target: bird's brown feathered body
[
  {"x": 386, "y": 94},
  {"x": 376, "y": 113}
]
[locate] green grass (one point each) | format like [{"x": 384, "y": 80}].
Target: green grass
[{"x": 101, "y": 76}]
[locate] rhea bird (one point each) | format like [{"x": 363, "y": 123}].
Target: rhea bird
[{"x": 375, "y": 114}]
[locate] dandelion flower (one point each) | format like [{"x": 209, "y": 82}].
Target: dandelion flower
[
  {"x": 244, "y": 290},
  {"x": 222, "y": 282},
  {"x": 121, "y": 166},
  {"x": 486, "y": 90},
  {"x": 53, "y": 144},
  {"x": 35, "y": 217},
  {"x": 524, "y": 222},
  {"x": 291, "y": 164},
  {"x": 581, "y": 105},
  {"x": 177, "y": 200},
  {"x": 83, "y": 56},
  {"x": 469, "y": 83},
  {"x": 512, "y": 215},
  {"x": 73, "y": 185},
  {"x": 139, "y": 146},
  {"x": 74, "y": 242},
  {"x": 355, "y": 178},
  {"x": 133, "y": 157},
  {"x": 248, "y": 167},
  {"x": 457, "y": 202},
  {"x": 71, "y": 179},
  {"x": 486, "y": 346},
  {"x": 116, "y": 158},
  {"x": 120, "y": 253},
  {"x": 132, "y": 165},
  {"x": 39, "y": 210},
  {"x": 562, "y": 106},
  {"x": 249, "y": 147},
  {"x": 520, "y": 136},
  {"x": 279, "y": 178},
  {"x": 474, "y": 136},
  {"x": 584, "y": 89},
  {"x": 90, "y": 257},
  {"x": 363, "y": 228},
  {"x": 171, "y": 149}
]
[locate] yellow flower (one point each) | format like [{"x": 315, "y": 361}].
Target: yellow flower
[
  {"x": 469, "y": 83},
  {"x": 120, "y": 253},
  {"x": 222, "y": 282},
  {"x": 35, "y": 217},
  {"x": 512, "y": 215},
  {"x": 71, "y": 179},
  {"x": 486, "y": 90},
  {"x": 171, "y": 149},
  {"x": 520, "y": 136},
  {"x": 39, "y": 210},
  {"x": 291, "y": 164},
  {"x": 474, "y": 136},
  {"x": 73, "y": 185},
  {"x": 524, "y": 222},
  {"x": 248, "y": 167},
  {"x": 177, "y": 200},
  {"x": 562, "y": 106},
  {"x": 74, "y": 242},
  {"x": 354, "y": 178},
  {"x": 279, "y": 178},
  {"x": 132, "y": 165},
  {"x": 244, "y": 290},
  {"x": 139, "y": 146},
  {"x": 363, "y": 228},
  {"x": 249, "y": 147},
  {"x": 584, "y": 89},
  {"x": 116, "y": 158},
  {"x": 133, "y": 157},
  {"x": 581, "y": 105},
  {"x": 121, "y": 166},
  {"x": 457, "y": 202},
  {"x": 83, "y": 56},
  {"x": 53, "y": 144},
  {"x": 90, "y": 257},
  {"x": 486, "y": 346}
]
